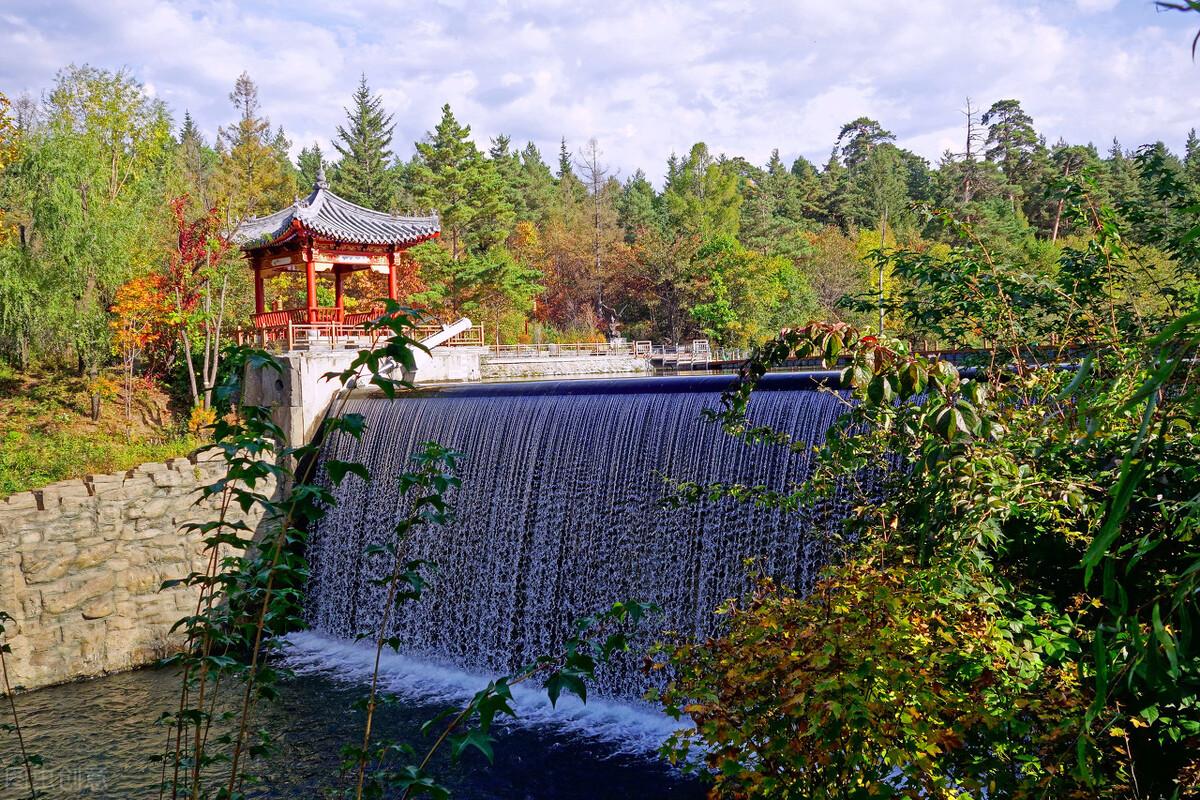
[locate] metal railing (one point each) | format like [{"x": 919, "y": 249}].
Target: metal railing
[{"x": 552, "y": 350}]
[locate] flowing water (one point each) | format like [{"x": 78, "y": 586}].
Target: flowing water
[
  {"x": 561, "y": 514},
  {"x": 97, "y": 737}
]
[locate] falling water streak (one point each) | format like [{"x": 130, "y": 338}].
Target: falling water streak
[{"x": 560, "y": 515}]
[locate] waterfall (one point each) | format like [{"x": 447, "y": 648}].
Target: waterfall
[{"x": 560, "y": 513}]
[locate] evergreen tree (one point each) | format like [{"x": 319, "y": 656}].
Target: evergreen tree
[
  {"x": 363, "y": 174},
  {"x": 877, "y": 189},
  {"x": 859, "y": 138},
  {"x": 1068, "y": 161},
  {"x": 1013, "y": 144},
  {"x": 701, "y": 198},
  {"x": 452, "y": 176},
  {"x": 1191, "y": 160},
  {"x": 536, "y": 183},
  {"x": 189, "y": 133},
  {"x": 808, "y": 189},
  {"x": 1119, "y": 176},
  {"x": 564, "y": 160},
  {"x": 197, "y": 165},
  {"x": 772, "y": 209},
  {"x": 252, "y": 174},
  {"x": 636, "y": 208},
  {"x": 508, "y": 167},
  {"x": 310, "y": 162},
  {"x": 833, "y": 188}
]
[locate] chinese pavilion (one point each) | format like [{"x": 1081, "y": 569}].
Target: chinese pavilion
[{"x": 324, "y": 233}]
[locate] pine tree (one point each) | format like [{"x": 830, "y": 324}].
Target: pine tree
[
  {"x": 508, "y": 168},
  {"x": 808, "y": 187},
  {"x": 833, "y": 188},
  {"x": 197, "y": 163},
  {"x": 1013, "y": 144},
  {"x": 636, "y": 208},
  {"x": 564, "y": 160},
  {"x": 861, "y": 137},
  {"x": 189, "y": 133},
  {"x": 701, "y": 197},
  {"x": 310, "y": 162},
  {"x": 255, "y": 177},
  {"x": 363, "y": 174},
  {"x": 536, "y": 183},
  {"x": 1191, "y": 160},
  {"x": 452, "y": 176}
]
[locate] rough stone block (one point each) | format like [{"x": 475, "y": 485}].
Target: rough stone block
[
  {"x": 99, "y": 609},
  {"x": 21, "y": 500},
  {"x": 67, "y": 599}
]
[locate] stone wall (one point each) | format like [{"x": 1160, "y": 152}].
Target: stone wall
[{"x": 81, "y": 563}]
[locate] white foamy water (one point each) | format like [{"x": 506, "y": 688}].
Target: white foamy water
[
  {"x": 634, "y": 727},
  {"x": 561, "y": 514}
]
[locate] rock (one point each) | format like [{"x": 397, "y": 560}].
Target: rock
[
  {"x": 81, "y": 571},
  {"x": 99, "y": 609}
]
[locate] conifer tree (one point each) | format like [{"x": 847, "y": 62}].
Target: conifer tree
[
  {"x": 252, "y": 173},
  {"x": 859, "y": 138},
  {"x": 452, "y": 176},
  {"x": 536, "y": 183},
  {"x": 1013, "y": 144},
  {"x": 636, "y": 208},
  {"x": 833, "y": 185},
  {"x": 197, "y": 164},
  {"x": 508, "y": 167},
  {"x": 701, "y": 196},
  {"x": 564, "y": 159},
  {"x": 1191, "y": 160},
  {"x": 363, "y": 174},
  {"x": 310, "y": 162}
]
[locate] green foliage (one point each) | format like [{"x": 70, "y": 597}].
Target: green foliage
[
  {"x": 363, "y": 174},
  {"x": 701, "y": 197},
  {"x": 251, "y": 595},
  {"x": 1014, "y": 609},
  {"x": 452, "y": 176},
  {"x": 309, "y": 165},
  {"x": 90, "y": 180},
  {"x": 256, "y": 176},
  {"x": 745, "y": 294}
]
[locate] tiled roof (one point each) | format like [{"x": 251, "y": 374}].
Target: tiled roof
[{"x": 326, "y": 214}]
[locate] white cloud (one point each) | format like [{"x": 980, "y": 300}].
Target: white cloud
[
  {"x": 645, "y": 78},
  {"x": 1096, "y": 5}
]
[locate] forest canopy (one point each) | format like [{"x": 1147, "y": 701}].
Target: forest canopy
[{"x": 106, "y": 192}]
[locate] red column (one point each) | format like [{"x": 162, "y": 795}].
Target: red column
[
  {"x": 337, "y": 292},
  {"x": 392, "y": 274},
  {"x": 260, "y": 302},
  {"x": 310, "y": 273}
]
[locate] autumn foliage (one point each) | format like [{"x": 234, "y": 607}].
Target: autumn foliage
[{"x": 143, "y": 323}]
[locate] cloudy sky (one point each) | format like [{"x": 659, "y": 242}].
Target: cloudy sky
[{"x": 645, "y": 78}]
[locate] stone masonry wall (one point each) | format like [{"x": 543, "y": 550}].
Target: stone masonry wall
[{"x": 81, "y": 563}]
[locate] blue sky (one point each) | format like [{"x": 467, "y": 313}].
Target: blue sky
[{"x": 644, "y": 78}]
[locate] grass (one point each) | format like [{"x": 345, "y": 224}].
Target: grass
[{"x": 47, "y": 434}]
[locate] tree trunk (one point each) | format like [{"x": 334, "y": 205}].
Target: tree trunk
[{"x": 93, "y": 378}]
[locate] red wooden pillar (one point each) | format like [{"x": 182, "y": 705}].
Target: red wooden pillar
[
  {"x": 260, "y": 299},
  {"x": 338, "y": 275},
  {"x": 392, "y": 274},
  {"x": 310, "y": 274}
]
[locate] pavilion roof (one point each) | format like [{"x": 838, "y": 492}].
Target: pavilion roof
[{"x": 325, "y": 214}]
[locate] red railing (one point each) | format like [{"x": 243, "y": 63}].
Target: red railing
[
  {"x": 275, "y": 319},
  {"x": 291, "y": 328}
]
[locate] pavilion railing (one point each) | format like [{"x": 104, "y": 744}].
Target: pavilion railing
[{"x": 291, "y": 329}]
